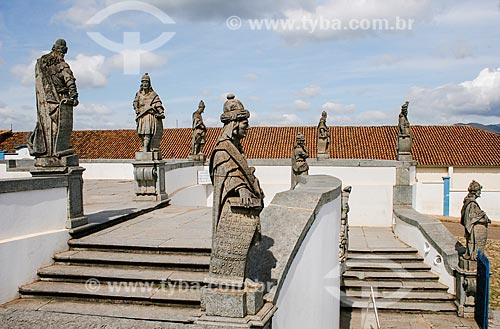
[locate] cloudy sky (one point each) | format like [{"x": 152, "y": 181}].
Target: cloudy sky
[{"x": 286, "y": 60}]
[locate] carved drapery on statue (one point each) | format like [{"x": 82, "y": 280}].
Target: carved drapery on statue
[
  {"x": 199, "y": 134},
  {"x": 56, "y": 95},
  {"x": 149, "y": 116},
  {"x": 405, "y": 136},
  {"x": 238, "y": 199},
  {"x": 323, "y": 138},
  {"x": 344, "y": 225},
  {"x": 475, "y": 222},
  {"x": 299, "y": 159}
]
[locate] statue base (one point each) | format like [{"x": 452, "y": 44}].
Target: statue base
[
  {"x": 73, "y": 175},
  {"x": 51, "y": 162},
  {"x": 323, "y": 156},
  {"x": 404, "y": 157},
  {"x": 149, "y": 175},
  {"x": 465, "y": 279},
  {"x": 198, "y": 157},
  {"x": 233, "y": 307}
]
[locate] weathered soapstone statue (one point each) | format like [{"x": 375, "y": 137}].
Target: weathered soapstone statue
[
  {"x": 405, "y": 137},
  {"x": 344, "y": 225},
  {"x": 238, "y": 201},
  {"x": 299, "y": 160},
  {"x": 149, "y": 116},
  {"x": 475, "y": 222},
  {"x": 323, "y": 138},
  {"x": 149, "y": 169},
  {"x": 199, "y": 134},
  {"x": 56, "y": 95},
  {"x": 50, "y": 142}
]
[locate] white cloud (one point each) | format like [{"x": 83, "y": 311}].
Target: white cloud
[
  {"x": 338, "y": 108},
  {"x": 250, "y": 76},
  {"x": 367, "y": 118},
  {"x": 284, "y": 119},
  {"x": 300, "y": 105},
  {"x": 88, "y": 71},
  {"x": 22, "y": 118},
  {"x": 310, "y": 91},
  {"x": 95, "y": 116},
  {"x": 253, "y": 99},
  {"x": 25, "y": 73},
  {"x": 460, "y": 102},
  {"x": 78, "y": 14},
  {"x": 147, "y": 61}
]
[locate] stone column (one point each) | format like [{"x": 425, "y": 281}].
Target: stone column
[{"x": 149, "y": 175}]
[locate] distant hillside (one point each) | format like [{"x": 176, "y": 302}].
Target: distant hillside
[{"x": 492, "y": 128}]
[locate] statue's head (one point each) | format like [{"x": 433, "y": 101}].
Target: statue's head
[
  {"x": 60, "y": 47},
  {"x": 404, "y": 108},
  {"x": 235, "y": 119},
  {"x": 146, "y": 82},
  {"x": 201, "y": 106},
  {"x": 475, "y": 188},
  {"x": 300, "y": 139},
  {"x": 324, "y": 114}
]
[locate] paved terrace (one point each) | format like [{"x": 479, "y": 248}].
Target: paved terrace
[{"x": 157, "y": 225}]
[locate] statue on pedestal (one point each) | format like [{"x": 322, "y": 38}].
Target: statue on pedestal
[
  {"x": 323, "y": 138},
  {"x": 344, "y": 225},
  {"x": 238, "y": 198},
  {"x": 56, "y": 95},
  {"x": 475, "y": 222},
  {"x": 149, "y": 115},
  {"x": 299, "y": 157},
  {"x": 199, "y": 134},
  {"x": 405, "y": 137}
]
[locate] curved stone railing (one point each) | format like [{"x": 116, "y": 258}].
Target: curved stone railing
[
  {"x": 433, "y": 241},
  {"x": 299, "y": 253}
]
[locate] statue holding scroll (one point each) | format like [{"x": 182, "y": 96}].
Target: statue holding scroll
[{"x": 199, "y": 134}]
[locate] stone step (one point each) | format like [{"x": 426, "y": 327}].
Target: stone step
[
  {"x": 400, "y": 257},
  {"x": 381, "y": 250},
  {"x": 385, "y": 265},
  {"x": 353, "y": 283},
  {"x": 166, "y": 261},
  {"x": 118, "y": 310},
  {"x": 390, "y": 275},
  {"x": 436, "y": 295},
  {"x": 402, "y": 305},
  {"x": 77, "y": 273},
  {"x": 199, "y": 248},
  {"x": 138, "y": 292}
]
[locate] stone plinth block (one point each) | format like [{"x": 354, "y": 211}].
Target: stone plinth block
[
  {"x": 403, "y": 175},
  {"x": 402, "y": 195},
  {"x": 149, "y": 176},
  {"x": 465, "y": 291},
  {"x": 73, "y": 174},
  {"x": 147, "y": 156},
  {"x": 323, "y": 156},
  {"x": 198, "y": 157},
  {"x": 225, "y": 302},
  {"x": 51, "y": 162}
]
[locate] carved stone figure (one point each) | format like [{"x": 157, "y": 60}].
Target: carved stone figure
[
  {"x": 405, "y": 137},
  {"x": 323, "y": 138},
  {"x": 344, "y": 225},
  {"x": 238, "y": 199},
  {"x": 149, "y": 115},
  {"x": 199, "y": 134},
  {"x": 299, "y": 157},
  {"x": 56, "y": 95},
  {"x": 475, "y": 222}
]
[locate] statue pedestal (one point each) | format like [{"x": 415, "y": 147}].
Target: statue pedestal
[
  {"x": 323, "y": 156},
  {"x": 73, "y": 175},
  {"x": 404, "y": 148},
  {"x": 149, "y": 175},
  {"x": 465, "y": 278},
  {"x": 227, "y": 306},
  {"x": 198, "y": 157}
]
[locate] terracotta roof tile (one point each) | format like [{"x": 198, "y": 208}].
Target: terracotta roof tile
[{"x": 433, "y": 145}]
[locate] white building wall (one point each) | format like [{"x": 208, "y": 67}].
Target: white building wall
[
  {"x": 108, "y": 170},
  {"x": 310, "y": 296}
]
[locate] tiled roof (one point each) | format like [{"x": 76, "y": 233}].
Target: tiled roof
[{"x": 433, "y": 145}]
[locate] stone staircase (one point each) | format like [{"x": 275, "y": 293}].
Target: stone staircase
[
  {"x": 400, "y": 279},
  {"x": 122, "y": 280}
]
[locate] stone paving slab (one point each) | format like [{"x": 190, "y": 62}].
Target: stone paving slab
[{"x": 374, "y": 239}]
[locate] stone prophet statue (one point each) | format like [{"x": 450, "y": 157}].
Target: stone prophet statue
[
  {"x": 299, "y": 159},
  {"x": 149, "y": 115},
  {"x": 56, "y": 95},
  {"x": 199, "y": 132},
  {"x": 323, "y": 137},
  {"x": 344, "y": 225},
  {"x": 238, "y": 199},
  {"x": 405, "y": 137},
  {"x": 475, "y": 222}
]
